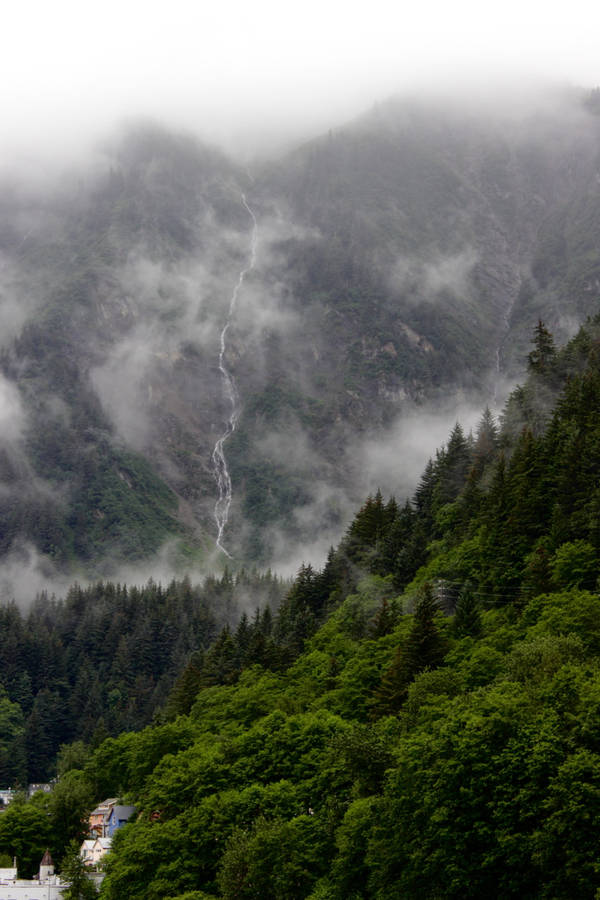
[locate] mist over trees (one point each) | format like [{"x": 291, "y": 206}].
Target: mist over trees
[
  {"x": 104, "y": 660},
  {"x": 414, "y": 713},
  {"x": 400, "y": 262},
  {"x": 415, "y": 718}
]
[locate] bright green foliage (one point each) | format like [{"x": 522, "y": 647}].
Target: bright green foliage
[
  {"x": 467, "y": 620},
  {"x": 575, "y": 564},
  {"x": 193, "y": 895},
  {"x": 275, "y": 861},
  {"x": 26, "y": 832},
  {"x": 366, "y": 751},
  {"x": 71, "y": 756},
  {"x": 567, "y": 847},
  {"x": 350, "y": 872},
  {"x": 105, "y": 659},
  {"x": 433, "y": 687},
  {"x": 424, "y": 649},
  {"x": 73, "y": 871},
  {"x": 462, "y": 797},
  {"x": 68, "y": 806},
  {"x": 461, "y": 808},
  {"x": 341, "y": 747}
]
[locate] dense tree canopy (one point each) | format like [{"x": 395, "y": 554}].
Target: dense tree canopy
[
  {"x": 104, "y": 660},
  {"x": 418, "y": 719}
]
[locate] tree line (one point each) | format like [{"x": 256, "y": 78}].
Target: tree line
[{"x": 104, "y": 660}]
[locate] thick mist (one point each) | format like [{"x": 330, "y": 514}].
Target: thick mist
[
  {"x": 376, "y": 315},
  {"x": 260, "y": 78}
]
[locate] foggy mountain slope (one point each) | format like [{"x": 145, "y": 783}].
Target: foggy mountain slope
[
  {"x": 437, "y": 212},
  {"x": 401, "y": 264},
  {"x": 116, "y": 399},
  {"x": 423, "y": 250}
]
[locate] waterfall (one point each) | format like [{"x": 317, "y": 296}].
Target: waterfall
[{"x": 222, "y": 476}]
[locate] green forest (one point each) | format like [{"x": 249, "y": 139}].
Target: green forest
[
  {"x": 103, "y": 660},
  {"x": 419, "y": 718}
]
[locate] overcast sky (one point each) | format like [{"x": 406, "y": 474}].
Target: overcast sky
[{"x": 232, "y": 70}]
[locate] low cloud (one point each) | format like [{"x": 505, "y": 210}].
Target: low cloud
[
  {"x": 25, "y": 573},
  {"x": 568, "y": 326},
  {"x": 290, "y": 445},
  {"x": 12, "y": 414},
  {"x": 418, "y": 280},
  {"x": 394, "y": 461},
  {"x": 164, "y": 309},
  {"x": 124, "y": 390},
  {"x": 262, "y": 309},
  {"x": 321, "y": 522}
]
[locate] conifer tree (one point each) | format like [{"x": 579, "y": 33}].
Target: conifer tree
[
  {"x": 486, "y": 443},
  {"x": 452, "y": 468},
  {"x": 425, "y": 648},
  {"x": 186, "y": 688},
  {"x": 397, "y": 535},
  {"x": 368, "y": 528},
  {"x": 467, "y": 619},
  {"x": 537, "y": 576},
  {"x": 544, "y": 351},
  {"x": 385, "y": 619},
  {"x": 220, "y": 662},
  {"x": 242, "y": 640},
  {"x": 424, "y": 493}
]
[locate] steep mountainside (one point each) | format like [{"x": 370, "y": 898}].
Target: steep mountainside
[
  {"x": 417, "y": 719},
  {"x": 399, "y": 261},
  {"x": 410, "y": 252},
  {"x": 111, "y": 404}
]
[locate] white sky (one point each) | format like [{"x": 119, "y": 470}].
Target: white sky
[{"x": 234, "y": 69}]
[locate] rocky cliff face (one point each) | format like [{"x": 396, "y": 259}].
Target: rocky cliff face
[{"x": 400, "y": 261}]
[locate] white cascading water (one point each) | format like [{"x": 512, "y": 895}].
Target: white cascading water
[{"x": 222, "y": 476}]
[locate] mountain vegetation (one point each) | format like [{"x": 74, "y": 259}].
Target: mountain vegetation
[
  {"x": 418, "y": 718},
  {"x": 103, "y": 660}
]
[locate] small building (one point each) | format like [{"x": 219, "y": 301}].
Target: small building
[
  {"x": 93, "y": 849},
  {"x": 47, "y": 886},
  {"x": 118, "y": 817},
  {"x": 6, "y": 795},
  {"x": 86, "y": 851},
  {"x": 9, "y": 874},
  {"x": 98, "y": 819},
  {"x": 44, "y": 787}
]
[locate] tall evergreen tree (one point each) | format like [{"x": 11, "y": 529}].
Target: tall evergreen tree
[
  {"x": 452, "y": 468},
  {"x": 486, "y": 443},
  {"x": 467, "y": 619},
  {"x": 424, "y": 648},
  {"x": 544, "y": 351}
]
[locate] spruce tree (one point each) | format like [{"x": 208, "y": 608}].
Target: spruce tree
[
  {"x": 467, "y": 619},
  {"x": 486, "y": 443},
  {"x": 544, "y": 351},
  {"x": 385, "y": 619},
  {"x": 425, "y": 648},
  {"x": 186, "y": 688},
  {"x": 453, "y": 465}
]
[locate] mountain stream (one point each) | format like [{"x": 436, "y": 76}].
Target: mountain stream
[{"x": 222, "y": 476}]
